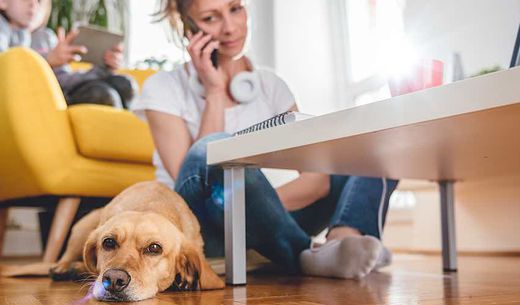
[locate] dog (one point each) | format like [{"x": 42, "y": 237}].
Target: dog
[{"x": 145, "y": 241}]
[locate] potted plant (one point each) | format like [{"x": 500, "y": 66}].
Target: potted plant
[{"x": 109, "y": 14}]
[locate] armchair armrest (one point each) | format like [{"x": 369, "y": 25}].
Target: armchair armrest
[{"x": 107, "y": 133}]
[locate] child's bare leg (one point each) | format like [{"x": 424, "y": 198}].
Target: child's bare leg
[{"x": 71, "y": 264}]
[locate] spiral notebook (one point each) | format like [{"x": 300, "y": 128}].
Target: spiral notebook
[{"x": 280, "y": 119}]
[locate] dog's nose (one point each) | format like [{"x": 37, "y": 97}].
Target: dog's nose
[{"x": 115, "y": 280}]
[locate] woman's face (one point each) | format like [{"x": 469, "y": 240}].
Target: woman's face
[{"x": 224, "y": 20}]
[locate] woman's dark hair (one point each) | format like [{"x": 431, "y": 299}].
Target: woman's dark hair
[{"x": 175, "y": 11}]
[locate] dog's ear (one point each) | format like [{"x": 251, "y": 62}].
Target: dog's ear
[
  {"x": 193, "y": 272},
  {"x": 89, "y": 253}
]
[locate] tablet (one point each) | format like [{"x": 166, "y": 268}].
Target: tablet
[{"x": 97, "y": 40}]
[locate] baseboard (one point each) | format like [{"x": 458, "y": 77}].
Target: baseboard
[{"x": 461, "y": 253}]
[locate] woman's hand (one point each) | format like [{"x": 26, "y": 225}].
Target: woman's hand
[
  {"x": 113, "y": 58},
  {"x": 214, "y": 81},
  {"x": 65, "y": 51},
  {"x": 200, "y": 48}
]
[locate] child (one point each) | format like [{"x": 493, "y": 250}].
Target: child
[
  {"x": 15, "y": 18},
  {"x": 18, "y": 18}
]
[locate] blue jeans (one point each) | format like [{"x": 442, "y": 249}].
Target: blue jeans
[{"x": 271, "y": 230}]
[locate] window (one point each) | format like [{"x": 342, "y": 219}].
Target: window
[
  {"x": 403, "y": 200},
  {"x": 149, "y": 41},
  {"x": 378, "y": 47}
]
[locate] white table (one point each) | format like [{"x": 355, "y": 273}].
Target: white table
[{"x": 465, "y": 130}]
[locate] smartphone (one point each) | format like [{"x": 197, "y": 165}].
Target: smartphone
[{"x": 191, "y": 26}]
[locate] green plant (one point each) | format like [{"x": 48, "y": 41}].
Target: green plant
[
  {"x": 110, "y": 14},
  {"x": 488, "y": 70},
  {"x": 155, "y": 63},
  {"x": 100, "y": 15},
  {"x": 61, "y": 15}
]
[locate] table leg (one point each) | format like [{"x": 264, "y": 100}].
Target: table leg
[
  {"x": 235, "y": 225},
  {"x": 449, "y": 246}
]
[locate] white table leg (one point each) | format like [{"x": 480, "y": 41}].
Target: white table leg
[
  {"x": 235, "y": 225},
  {"x": 449, "y": 246}
]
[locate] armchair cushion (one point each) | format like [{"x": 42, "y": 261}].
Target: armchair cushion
[{"x": 107, "y": 133}]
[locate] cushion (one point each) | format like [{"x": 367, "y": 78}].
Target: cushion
[{"x": 103, "y": 132}]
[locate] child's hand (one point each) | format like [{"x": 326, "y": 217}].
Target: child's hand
[
  {"x": 114, "y": 57},
  {"x": 65, "y": 51}
]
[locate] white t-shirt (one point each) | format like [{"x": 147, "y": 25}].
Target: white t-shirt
[{"x": 170, "y": 92}]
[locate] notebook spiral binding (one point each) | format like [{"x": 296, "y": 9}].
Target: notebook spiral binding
[{"x": 277, "y": 120}]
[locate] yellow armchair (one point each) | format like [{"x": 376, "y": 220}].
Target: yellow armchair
[
  {"x": 138, "y": 75},
  {"x": 47, "y": 148}
]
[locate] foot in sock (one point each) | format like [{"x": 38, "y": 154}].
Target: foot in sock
[
  {"x": 350, "y": 257},
  {"x": 384, "y": 259}
]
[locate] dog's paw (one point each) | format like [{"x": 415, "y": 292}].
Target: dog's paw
[
  {"x": 74, "y": 271},
  {"x": 185, "y": 284}
]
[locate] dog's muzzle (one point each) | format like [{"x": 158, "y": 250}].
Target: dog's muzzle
[
  {"x": 116, "y": 280},
  {"x": 112, "y": 286}
]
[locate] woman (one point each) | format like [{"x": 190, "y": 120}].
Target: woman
[{"x": 194, "y": 104}]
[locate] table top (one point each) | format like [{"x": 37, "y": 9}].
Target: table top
[{"x": 463, "y": 130}]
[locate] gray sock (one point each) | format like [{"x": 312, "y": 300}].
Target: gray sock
[{"x": 351, "y": 257}]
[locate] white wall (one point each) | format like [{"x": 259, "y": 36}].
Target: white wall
[
  {"x": 303, "y": 53},
  {"x": 261, "y": 15},
  {"x": 22, "y": 237},
  {"x": 147, "y": 39},
  {"x": 483, "y": 31}
]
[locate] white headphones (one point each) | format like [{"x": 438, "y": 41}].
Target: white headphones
[{"x": 244, "y": 87}]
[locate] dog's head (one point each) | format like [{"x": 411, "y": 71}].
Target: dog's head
[{"x": 137, "y": 255}]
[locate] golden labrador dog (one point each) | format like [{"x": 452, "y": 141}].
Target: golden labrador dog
[{"x": 144, "y": 241}]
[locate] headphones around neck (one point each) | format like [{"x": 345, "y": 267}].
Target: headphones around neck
[{"x": 244, "y": 87}]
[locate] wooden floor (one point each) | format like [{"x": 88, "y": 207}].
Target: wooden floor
[{"x": 411, "y": 280}]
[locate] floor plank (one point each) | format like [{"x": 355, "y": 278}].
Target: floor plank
[{"x": 411, "y": 280}]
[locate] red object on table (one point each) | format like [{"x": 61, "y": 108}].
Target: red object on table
[{"x": 425, "y": 74}]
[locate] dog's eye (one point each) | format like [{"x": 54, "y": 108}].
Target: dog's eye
[
  {"x": 109, "y": 244},
  {"x": 153, "y": 249}
]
